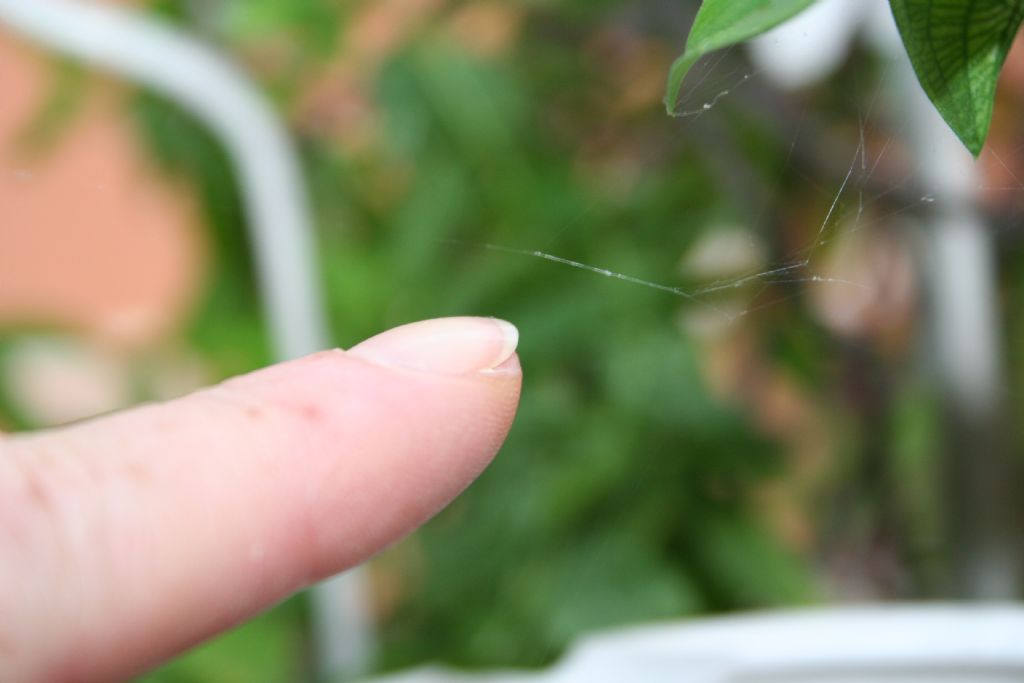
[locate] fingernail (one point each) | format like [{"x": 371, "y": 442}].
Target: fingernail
[{"x": 450, "y": 346}]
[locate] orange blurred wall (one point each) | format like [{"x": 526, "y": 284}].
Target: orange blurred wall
[{"x": 92, "y": 239}]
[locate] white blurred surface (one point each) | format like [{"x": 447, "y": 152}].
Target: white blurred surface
[
  {"x": 810, "y": 46},
  {"x": 893, "y": 644}
]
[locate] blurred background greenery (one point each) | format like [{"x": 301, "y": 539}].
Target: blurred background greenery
[{"x": 771, "y": 443}]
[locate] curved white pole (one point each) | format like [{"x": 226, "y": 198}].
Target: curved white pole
[{"x": 130, "y": 44}]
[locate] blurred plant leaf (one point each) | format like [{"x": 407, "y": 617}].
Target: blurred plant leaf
[
  {"x": 748, "y": 565},
  {"x": 721, "y": 23},
  {"x": 958, "y": 49},
  {"x": 268, "y": 649},
  {"x": 608, "y": 503}
]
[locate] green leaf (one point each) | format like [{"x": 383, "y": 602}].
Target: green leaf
[
  {"x": 721, "y": 23},
  {"x": 957, "y": 48}
]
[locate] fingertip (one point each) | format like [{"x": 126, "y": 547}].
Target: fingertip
[
  {"x": 450, "y": 346},
  {"x": 252, "y": 489}
]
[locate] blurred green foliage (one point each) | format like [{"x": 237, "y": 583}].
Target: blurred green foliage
[
  {"x": 444, "y": 143},
  {"x": 626, "y": 491},
  {"x": 623, "y": 493}
]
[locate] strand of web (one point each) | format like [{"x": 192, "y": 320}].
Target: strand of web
[
  {"x": 710, "y": 104},
  {"x": 778, "y": 275},
  {"x": 782, "y": 274},
  {"x": 694, "y": 296},
  {"x": 860, "y": 153}
]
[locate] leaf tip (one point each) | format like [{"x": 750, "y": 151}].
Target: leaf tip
[
  {"x": 970, "y": 138},
  {"x": 676, "y": 74}
]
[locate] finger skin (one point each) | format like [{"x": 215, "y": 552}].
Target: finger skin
[{"x": 127, "y": 539}]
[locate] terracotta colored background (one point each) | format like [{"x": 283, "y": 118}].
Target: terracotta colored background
[{"x": 91, "y": 238}]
